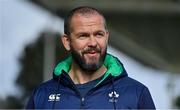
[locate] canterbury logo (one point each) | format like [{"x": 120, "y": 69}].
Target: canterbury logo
[{"x": 54, "y": 97}]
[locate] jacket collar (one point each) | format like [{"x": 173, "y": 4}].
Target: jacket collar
[{"x": 113, "y": 65}]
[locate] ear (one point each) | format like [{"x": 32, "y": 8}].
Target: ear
[
  {"x": 66, "y": 41},
  {"x": 107, "y": 33}
]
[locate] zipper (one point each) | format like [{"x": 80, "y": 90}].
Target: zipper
[
  {"x": 82, "y": 99},
  {"x": 82, "y": 102}
]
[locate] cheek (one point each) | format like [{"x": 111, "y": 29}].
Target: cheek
[
  {"x": 78, "y": 46},
  {"x": 103, "y": 44}
]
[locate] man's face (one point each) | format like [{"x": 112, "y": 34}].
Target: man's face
[{"x": 88, "y": 41}]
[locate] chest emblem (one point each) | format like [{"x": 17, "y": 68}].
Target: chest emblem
[
  {"x": 113, "y": 96},
  {"x": 54, "y": 97}
]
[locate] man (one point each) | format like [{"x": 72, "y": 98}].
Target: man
[{"x": 89, "y": 78}]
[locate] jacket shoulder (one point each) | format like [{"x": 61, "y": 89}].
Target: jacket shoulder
[
  {"x": 48, "y": 84},
  {"x": 45, "y": 87},
  {"x": 127, "y": 81},
  {"x": 135, "y": 92},
  {"x": 41, "y": 93}
]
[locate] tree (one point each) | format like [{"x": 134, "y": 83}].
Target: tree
[
  {"x": 177, "y": 102},
  {"x": 31, "y": 73}
]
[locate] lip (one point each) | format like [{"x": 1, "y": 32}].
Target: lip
[{"x": 93, "y": 52}]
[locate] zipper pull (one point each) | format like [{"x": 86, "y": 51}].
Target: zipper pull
[
  {"x": 82, "y": 103},
  {"x": 82, "y": 99}
]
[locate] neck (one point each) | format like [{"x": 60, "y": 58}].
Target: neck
[{"x": 80, "y": 76}]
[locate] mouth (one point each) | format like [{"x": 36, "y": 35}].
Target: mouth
[{"x": 92, "y": 52}]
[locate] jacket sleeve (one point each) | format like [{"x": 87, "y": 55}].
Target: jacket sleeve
[
  {"x": 145, "y": 100},
  {"x": 30, "y": 103}
]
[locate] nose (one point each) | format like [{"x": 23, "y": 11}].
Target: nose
[{"x": 92, "y": 41}]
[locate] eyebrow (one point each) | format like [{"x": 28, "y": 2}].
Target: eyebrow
[
  {"x": 99, "y": 31},
  {"x": 80, "y": 33}
]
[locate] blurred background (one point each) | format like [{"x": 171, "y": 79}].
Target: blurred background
[{"x": 144, "y": 35}]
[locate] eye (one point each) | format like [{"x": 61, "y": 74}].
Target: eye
[
  {"x": 99, "y": 34},
  {"x": 83, "y": 36}
]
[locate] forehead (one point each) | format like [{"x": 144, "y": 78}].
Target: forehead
[{"x": 81, "y": 22}]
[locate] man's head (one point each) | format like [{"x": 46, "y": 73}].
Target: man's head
[
  {"x": 86, "y": 37},
  {"x": 83, "y": 10}
]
